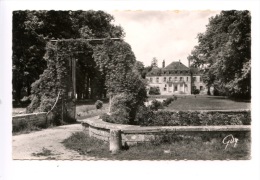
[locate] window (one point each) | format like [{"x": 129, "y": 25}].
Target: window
[
  {"x": 165, "y": 87},
  {"x": 187, "y": 78},
  {"x": 181, "y": 78},
  {"x": 151, "y": 79},
  {"x": 164, "y": 79},
  {"x": 201, "y": 88},
  {"x": 175, "y": 78},
  {"x": 200, "y": 79},
  {"x": 194, "y": 79},
  {"x": 170, "y": 78},
  {"x": 157, "y": 79},
  {"x": 175, "y": 88}
]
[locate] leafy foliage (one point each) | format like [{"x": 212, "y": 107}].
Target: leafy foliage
[
  {"x": 196, "y": 91},
  {"x": 116, "y": 62},
  {"x": 56, "y": 78},
  {"x": 155, "y": 105},
  {"x": 154, "y": 91},
  {"x": 169, "y": 100},
  {"x": 224, "y": 52},
  {"x": 195, "y": 118},
  {"x": 32, "y": 30},
  {"x": 99, "y": 104},
  {"x": 154, "y": 62}
]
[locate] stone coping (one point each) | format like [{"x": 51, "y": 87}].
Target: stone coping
[
  {"x": 132, "y": 129},
  {"x": 223, "y": 110},
  {"x": 29, "y": 114}
]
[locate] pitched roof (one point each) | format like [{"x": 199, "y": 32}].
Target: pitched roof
[
  {"x": 176, "y": 65},
  {"x": 175, "y": 68}
]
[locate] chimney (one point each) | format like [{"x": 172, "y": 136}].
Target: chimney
[{"x": 163, "y": 64}]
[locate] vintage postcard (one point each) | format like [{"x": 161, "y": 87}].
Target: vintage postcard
[{"x": 116, "y": 85}]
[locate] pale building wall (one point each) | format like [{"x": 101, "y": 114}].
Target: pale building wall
[{"x": 165, "y": 89}]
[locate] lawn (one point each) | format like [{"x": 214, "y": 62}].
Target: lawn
[
  {"x": 190, "y": 149},
  {"x": 84, "y": 109},
  {"x": 87, "y": 110},
  {"x": 207, "y": 103}
]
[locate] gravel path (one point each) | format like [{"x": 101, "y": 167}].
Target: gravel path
[{"x": 25, "y": 145}]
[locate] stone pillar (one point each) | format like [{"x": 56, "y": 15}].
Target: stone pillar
[
  {"x": 115, "y": 141},
  {"x": 90, "y": 131}
]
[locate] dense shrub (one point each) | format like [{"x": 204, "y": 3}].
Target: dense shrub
[
  {"x": 196, "y": 118},
  {"x": 115, "y": 118},
  {"x": 144, "y": 114},
  {"x": 196, "y": 91},
  {"x": 154, "y": 91},
  {"x": 99, "y": 104},
  {"x": 122, "y": 111},
  {"x": 169, "y": 100},
  {"x": 155, "y": 105}
]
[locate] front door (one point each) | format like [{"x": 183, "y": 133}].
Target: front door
[{"x": 175, "y": 88}]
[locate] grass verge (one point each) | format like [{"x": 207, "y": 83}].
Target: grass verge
[
  {"x": 189, "y": 148},
  {"x": 25, "y": 128}
]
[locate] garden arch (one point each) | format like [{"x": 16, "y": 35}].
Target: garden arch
[{"x": 56, "y": 91}]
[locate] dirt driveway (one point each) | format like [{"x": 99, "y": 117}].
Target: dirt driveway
[{"x": 29, "y": 146}]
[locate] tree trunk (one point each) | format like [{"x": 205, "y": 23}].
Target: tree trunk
[
  {"x": 28, "y": 89},
  {"x": 110, "y": 103},
  {"x": 18, "y": 94},
  {"x": 87, "y": 87},
  {"x": 208, "y": 90}
]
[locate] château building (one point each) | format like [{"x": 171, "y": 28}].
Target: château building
[{"x": 176, "y": 78}]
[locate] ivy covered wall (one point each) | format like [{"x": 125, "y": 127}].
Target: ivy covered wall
[{"x": 110, "y": 62}]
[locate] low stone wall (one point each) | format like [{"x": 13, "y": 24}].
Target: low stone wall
[
  {"x": 36, "y": 119},
  {"x": 130, "y": 134}
]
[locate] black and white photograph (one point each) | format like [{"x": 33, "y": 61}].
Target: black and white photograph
[{"x": 143, "y": 85}]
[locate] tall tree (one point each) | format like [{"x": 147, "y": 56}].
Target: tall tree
[
  {"x": 28, "y": 52},
  {"x": 154, "y": 62},
  {"x": 116, "y": 61},
  {"x": 224, "y": 53}
]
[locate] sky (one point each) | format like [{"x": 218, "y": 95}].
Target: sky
[{"x": 166, "y": 35}]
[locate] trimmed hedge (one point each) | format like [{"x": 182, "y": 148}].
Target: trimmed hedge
[
  {"x": 154, "y": 91},
  {"x": 194, "y": 118},
  {"x": 99, "y": 104}
]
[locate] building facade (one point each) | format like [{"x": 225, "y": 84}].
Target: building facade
[{"x": 176, "y": 78}]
